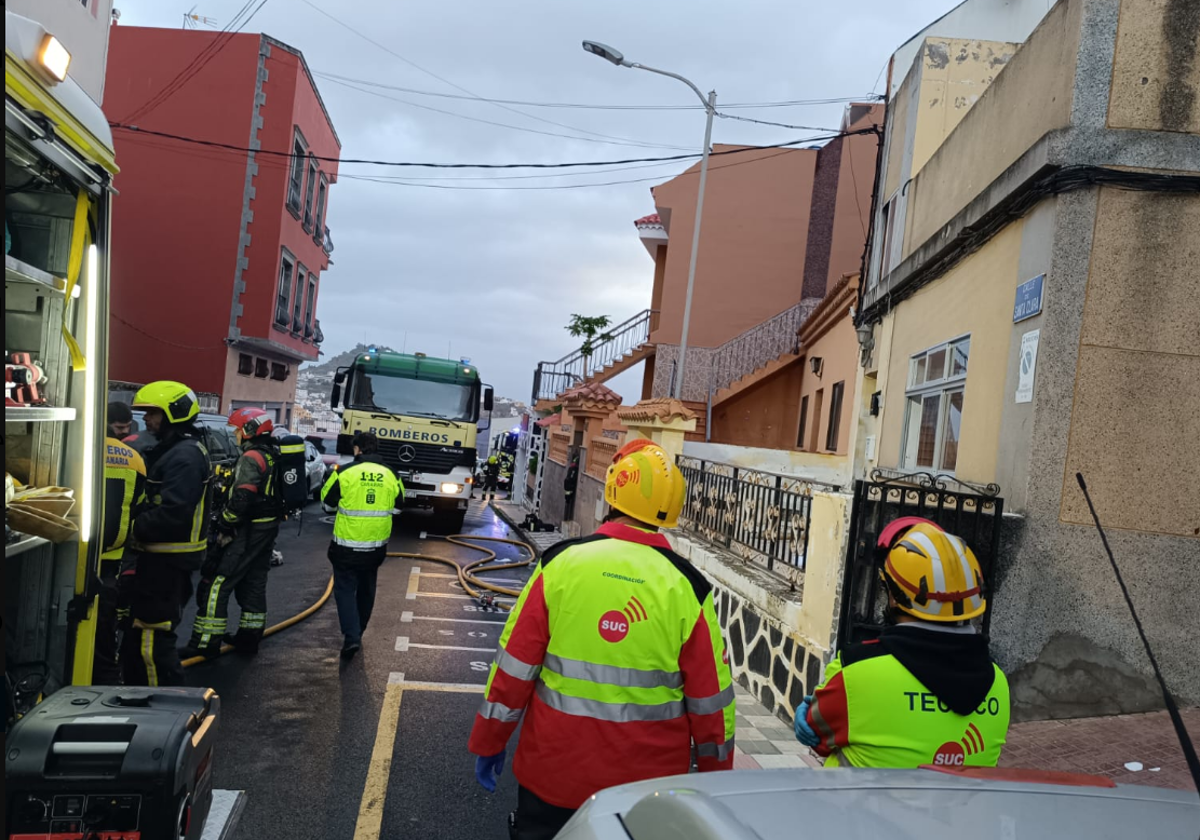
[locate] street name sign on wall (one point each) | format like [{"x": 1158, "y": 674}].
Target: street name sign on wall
[{"x": 1029, "y": 299}]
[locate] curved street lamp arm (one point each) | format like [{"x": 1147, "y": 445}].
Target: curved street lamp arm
[{"x": 703, "y": 99}]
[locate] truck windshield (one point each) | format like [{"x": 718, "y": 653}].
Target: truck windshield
[{"x": 414, "y": 397}]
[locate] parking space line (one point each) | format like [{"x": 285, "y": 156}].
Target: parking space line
[
  {"x": 403, "y": 645},
  {"x": 414, "y": 595},
  {"x": 408, "y": 618},
  {"x": 414, "y": 583},
  {"x": 370, "y": 810},
  {"x": 397, "y": 678}
]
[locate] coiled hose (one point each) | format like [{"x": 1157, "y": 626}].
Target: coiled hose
[{"x": 471, "y": 584}]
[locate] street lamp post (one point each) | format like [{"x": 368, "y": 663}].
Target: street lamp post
[{"x": 710, "y": 107}]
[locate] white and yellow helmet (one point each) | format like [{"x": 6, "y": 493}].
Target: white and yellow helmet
[{"x": 932, "y": 575}]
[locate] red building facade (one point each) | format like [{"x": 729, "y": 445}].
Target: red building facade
[{"x": 218, "y": 255}]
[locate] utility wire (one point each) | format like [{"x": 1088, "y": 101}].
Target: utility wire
[
  {"x": 431, "y": 165},
  {"x": 202, "y": 59},
  {"x": 459, "y": 87},
  {"x": 791, "y": 103},
  {"x": 634, "y": 143},
  {"x": 740, "y": 118},
  {"x": 553, "y": 187}
]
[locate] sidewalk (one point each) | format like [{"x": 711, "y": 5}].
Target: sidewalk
[
  {"x": 1129, "y": 749},
  {"x": 764, "y": 742},
  {"x": 514, "y": 515}
]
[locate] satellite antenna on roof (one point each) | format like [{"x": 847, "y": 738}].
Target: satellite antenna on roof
[{"x": 191, "y": 20}]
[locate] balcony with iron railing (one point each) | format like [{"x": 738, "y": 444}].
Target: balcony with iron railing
[{"x": 551, "y": 379}]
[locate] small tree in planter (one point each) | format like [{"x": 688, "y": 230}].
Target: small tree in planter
[{"x": 590, "y": 329}]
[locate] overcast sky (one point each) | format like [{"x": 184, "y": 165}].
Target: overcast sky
[{"x": 495, "y": 274}]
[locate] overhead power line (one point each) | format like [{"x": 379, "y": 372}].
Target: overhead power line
[
  {"x": 634, "y": 143},
  {"x": 470, "y": 93},
  {"x": 403, "y": 182},
  {"x": 434, "y": 165},
  {"x": 791, "y": 103}
]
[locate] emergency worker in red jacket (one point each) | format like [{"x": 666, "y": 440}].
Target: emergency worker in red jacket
[{"x": 614, "y": 657}]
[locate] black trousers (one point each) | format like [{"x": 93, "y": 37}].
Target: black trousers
[
  {"x": 239, "y": 569},
  {"x": 354, "y": 592},
  {"x": 536, "y": 819},
  {"x": 153, "y": 589},
  {"x": 105, "y": 669}
]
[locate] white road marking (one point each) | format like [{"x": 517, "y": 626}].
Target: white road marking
[
  {"x": 414, "y": 583},
  {"x": 446, "y": 632},
  {"x": 397, "y": 678},
  {"x": 411, "y": 618},
  {"x": 414, "y": 595},
  {"x": 403, "y": 645}
]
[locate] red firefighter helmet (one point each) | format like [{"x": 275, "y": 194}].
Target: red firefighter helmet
[{"x": 252, "y": 422}]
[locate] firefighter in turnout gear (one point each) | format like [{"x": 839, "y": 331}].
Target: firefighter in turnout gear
[
  {"x": 491, "y": 477},
  {"x": 124, "y": 489},
  {"x": 926, "y": 691},
  {"x": 169, "y": 536},
  {"x": 364, "y": 495},
  {"x": 244, "y": 537},
  {"x": 614, "y": 656}
]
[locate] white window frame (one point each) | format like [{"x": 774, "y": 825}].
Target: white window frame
[
  {"x": 295, "y": 193},
  {"x": 943, "y": 387},
  {"x": 283, "y": 295},
  {"x": 296, "y": 324},
  {"x": 310, "y": 304},
  {"x": 319, "y": 218},
  {"x": 310, "y": 192}
]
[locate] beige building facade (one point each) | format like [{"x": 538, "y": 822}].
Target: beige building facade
[{"x": 1034, "y": 294}]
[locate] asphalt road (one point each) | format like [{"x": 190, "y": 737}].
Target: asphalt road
[{"x": 299, "y": 727}]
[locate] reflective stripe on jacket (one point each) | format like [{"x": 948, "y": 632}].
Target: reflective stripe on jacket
[
  {"x": 872, "y": 712},
  {"x": 253, "y": 497},
  {"x": 365, "y": 494},
  {"x": 174, "y": 519},
  {"x": 615, "y": 651},
  {"x": 124, "y": 486}
]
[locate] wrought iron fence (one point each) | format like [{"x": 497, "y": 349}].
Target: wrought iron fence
[
  {"x": 553, "y": 378},
  {"x": 759, "y": 345},
  {"x": 762, "y": 517},
  {"x": 968, "y": 511}
]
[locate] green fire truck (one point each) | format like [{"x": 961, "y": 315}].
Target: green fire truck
[{"x": 425, "y": 412}]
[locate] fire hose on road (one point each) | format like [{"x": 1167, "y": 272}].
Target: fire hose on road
[{"x": 471, "y": 584}]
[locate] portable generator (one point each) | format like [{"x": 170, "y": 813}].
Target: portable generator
[{"x": 112, "y": 764}]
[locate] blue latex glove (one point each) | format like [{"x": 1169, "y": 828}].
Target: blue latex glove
[
  {"x": 488, "y": 769},
  {"x": 804, "y": 732}
]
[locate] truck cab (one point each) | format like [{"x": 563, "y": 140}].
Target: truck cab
[{"x": 424, "y": 411}]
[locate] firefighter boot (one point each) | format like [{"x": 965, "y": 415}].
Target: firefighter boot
[{"x": 245, "y": 642}]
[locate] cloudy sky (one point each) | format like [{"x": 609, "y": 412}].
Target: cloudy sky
[{"x": 493, "y": 268}]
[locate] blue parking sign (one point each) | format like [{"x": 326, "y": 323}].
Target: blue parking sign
[{"x": 1029, "y": 299}]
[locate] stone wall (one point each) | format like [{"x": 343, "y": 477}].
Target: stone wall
[{"x": 778, "y": 668}]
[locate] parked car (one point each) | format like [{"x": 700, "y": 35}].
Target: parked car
[
  {"x": 315, "y": 468},
  {"x": 857, "y": 804},
  {"x": 326, "y": 444}
]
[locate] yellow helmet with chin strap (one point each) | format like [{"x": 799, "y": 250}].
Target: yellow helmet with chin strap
[
  {"x": 643, "y": 483},
  {"x": 931, "y": 575},
  {"x": 176, "y": 400}
]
